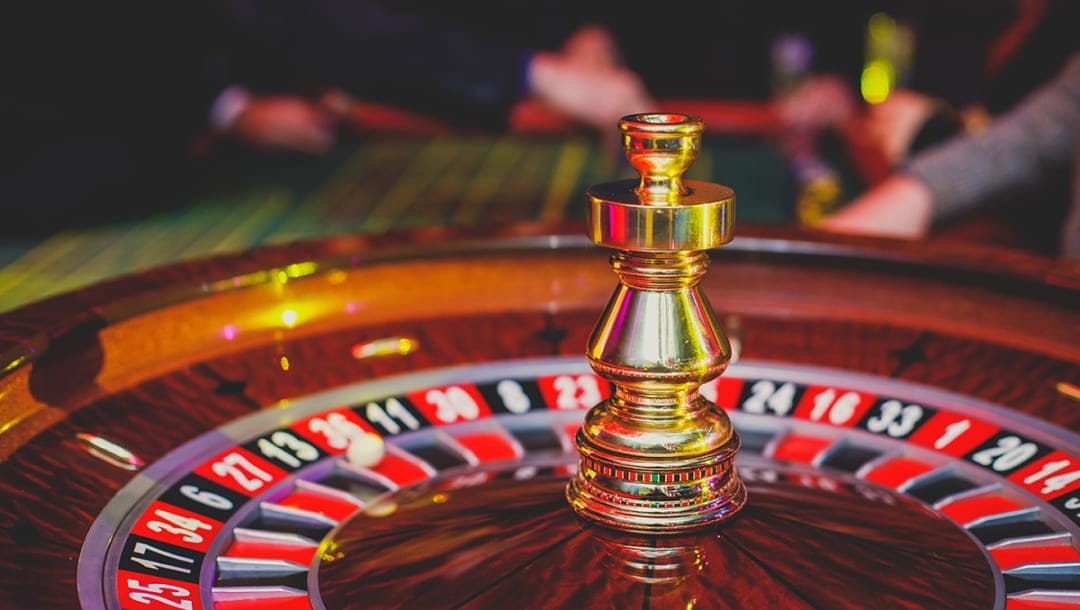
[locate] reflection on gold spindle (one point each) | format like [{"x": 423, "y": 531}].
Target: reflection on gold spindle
[{"x": 657, "y": 457}]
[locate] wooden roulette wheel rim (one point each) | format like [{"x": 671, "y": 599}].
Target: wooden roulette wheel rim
[{"x": 203, "y": 343}]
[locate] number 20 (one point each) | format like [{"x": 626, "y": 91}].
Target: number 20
[{"x": 1009, "y": 453}]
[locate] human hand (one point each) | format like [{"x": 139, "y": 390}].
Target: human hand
[
  {"x": 900, "y": 206},
  {"x": 592, "y": 46},
  {"x": 595, "y": 95},
  {"x": 817, "y": 103},
  {"x": 284, "y": 121},
  {"x": 892, "y": 124}
]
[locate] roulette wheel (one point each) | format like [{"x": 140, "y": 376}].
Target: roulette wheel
[{"x": 397, "y": 422}]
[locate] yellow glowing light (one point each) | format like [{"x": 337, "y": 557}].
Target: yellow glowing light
[
  {"x": 14, "y": 364},
  {"x": 880, "y": 28},
  {"x": 877, "y": 81},
  {"x": 440, "y": 498},
  {"x": 13, "y": 421},
  {"x": 284, "y": 363},
  {"x": 296, "y": 270},
  {"x": 287, "y": 313},
  {"x": 289, "y": 317},
  {"x": 1067, "y": 389},
  {"x": 389, "y": 346}
]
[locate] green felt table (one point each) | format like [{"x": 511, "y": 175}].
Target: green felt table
[{"x": 378, "y": 183}]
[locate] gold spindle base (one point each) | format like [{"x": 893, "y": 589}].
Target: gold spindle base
[{"x": 656, "y": 496}]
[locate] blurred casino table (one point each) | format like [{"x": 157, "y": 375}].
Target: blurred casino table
[{"x": 380, "y": 182}]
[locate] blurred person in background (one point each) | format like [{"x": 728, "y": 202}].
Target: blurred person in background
[{"x": 1015, "y": 157}]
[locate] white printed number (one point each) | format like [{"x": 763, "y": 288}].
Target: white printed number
[
  {"x": 184, "y": 527},
  {"x": 765, "y": 396},
  {"x": 206, "y": 498},
  {"x": 952, "y": 432},
  {"x": 452, "y": 404},
  {"x": 167, "y": 561},
  {"x": 896, "y": 419},
  {"x": 1073, "y": 504},
  {"x": 513, "y": 396},
  {"x": 392, "y": 417},
  {"x": 1010, "y": 452},
  {"x": 839, "y": 410},
  {"x": 579, "y": 392},
  {"x": 1054, "y": 483},
  {"x": 240, "y": 469},
  {"x": 160, "y": 593},
  {"x": 337, "y": 429},
  {"x": 286, "y": 448}
]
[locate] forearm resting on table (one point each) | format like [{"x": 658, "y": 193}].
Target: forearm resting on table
[
  {"x": 900, "y": 206},
  {"x": 1011, "y": 155}
]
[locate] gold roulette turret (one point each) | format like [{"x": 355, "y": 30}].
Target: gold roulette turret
[{"x": 657, "y": 457}]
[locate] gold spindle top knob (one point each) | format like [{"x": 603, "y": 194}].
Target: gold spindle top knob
[
  {"x": 661, "y": 211},
  {"x": 661, "y": 147}
]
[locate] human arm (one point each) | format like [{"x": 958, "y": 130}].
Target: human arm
[
  {"x": 1013, "y": 153},
  {"x": 901, "y": 206},
  {"x": 272, "y": 121}
]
